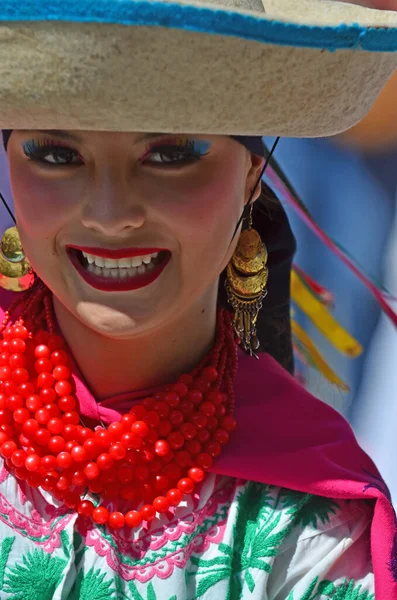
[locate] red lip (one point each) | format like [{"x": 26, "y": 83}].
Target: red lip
[
  {"x": 119, "y": 253},
  {"x": 106, "y": 284}
]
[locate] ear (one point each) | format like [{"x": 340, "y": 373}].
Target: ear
[{"x": 254, "y": 167}]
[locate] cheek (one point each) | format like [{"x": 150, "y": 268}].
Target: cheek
[{"x": 40, "y": 206}]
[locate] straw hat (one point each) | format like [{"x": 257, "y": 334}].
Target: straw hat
[{"x": 280, "y": 67}]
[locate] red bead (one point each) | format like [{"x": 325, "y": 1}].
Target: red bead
[
  {"x": 70, "y": 432},
  {"x": 221, "y": 436},
  {"x": 96, "y": 486},
  {"x": 125, "y": 474},
  {"x": 200, "y": 420},
  {"x": 55, "y": 342},
  {"x": 152, "y": 418},
  {"x": 130, "y": 440},
  {"x": 85, "y": 508},
  {"x": 172, "y": 399},
  {"x": 3, "y": 401},
  {"x": 100, "y": 515},
  {"x": 216, "y": 398},
  {"x": 105, "y": 461},
  {"x": 187, "y": 379},
  {"x": 116, "y": 520},
  {"x": 186, "y": 485},
  {"x": 203, "y": 435},
  {"x": 213, "y": 448},
  {"x": 189, "y": 430},
  {"x": 5, "y": 416},
  {"x": 202, "y": 384},
  {"x": 148, "y": 403},
  {"x": 193, "y": 446},
  {"x": 34, "y": 480},
  {"x": 183, "y": 459},
  {"x": 64, "y": 460},
  {"x": 20, "y": 375},
  {"x": 71, "y": 418},
  {"x": 172, "y": 471},
  {"x": 142, "y": 472},
  {"x": 229, "y": 423},
  {"x": 196, "y": 474},
  {"x": 45, "y": 380},
  {"x": 18, "y": 458},
  {"x": 79, "y": 454},
  {"x": 147, "y": 512},
  {"x": 63, "y": 483},
  {"x": 204, "y": 460},
  {"x": 140, "y": 429},
  {"x": 42, "y": 351},
  {"x": 176, "y": 418},
  {"x": 21, "y": 332},
  {"x": 17, "y": 346},
  {"x": 117, "y": 451},
  {"x": 161, "y": 504},
  {"x": 14, "y": 401},
  {"x": 21, "y": 415},
  {"x": 63, "y": 388},
  {"x": 160, "y": 483},
  {"x": 66, "y": 403},
  {"x": 128, "y": 491},
  {"x": 139, "y": 411},
  {"x": 104, "y": 437},
  {"x": 79, "y": 478},
  {"x": 187, "y": 408},
  {"x": 91, "y": 471},
  {"x": 162, "y": 447},
  {"x": 162, "y": 409},
  {"x": 212, "y": 423},
  {"x": 33, "y": 462},
  {"x": 181, "y": 389},
  {"x": 42, "y": 437},
  {"x": 71, "y": 499},
  {"x": 164, "y": 428},
  {"x": 220, "y": 411},
  {"x": 176, "y": 440},
  {"x": 208, "y": 408},
  {"x": 55, "y": 426},
  {"x": 133, "y": 519},
  {"x": 8, "y": 429},
  {"x": 43, "y": 365},
  {"x": 26, "y": 389},
  {"x": 195, "y": 396},
  {"x": 92, "y": 446},
  {"x": 126, "y": 422},
  {"x": 115, "y": 430},
  {"x": 30, "y": 427},
  {"x": 17, "y": 361},
  {"x": 210, "y": 374},
  {"x": 48, "y": 395},
  {"x": 43, "y": 416},
  {"x": 61, "y": 372},
  {"x": 9, "y": 388},
  {"x": 85, "y": 434},
  {"x": 3, "y": 438},
  {"x": 5, "y": 359},
  {"x": 56, "y": 444},
  {"x": 59, "y": 357},
  {"x": 34, "y": 402},
  {"x": 174, "y": 496},
  {"x": 49, "y": 463}
]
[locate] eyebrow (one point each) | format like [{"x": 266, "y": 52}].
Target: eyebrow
[{"x": 62, "y": 134}]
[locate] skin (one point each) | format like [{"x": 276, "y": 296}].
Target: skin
[{"x": 114, "y": 193}]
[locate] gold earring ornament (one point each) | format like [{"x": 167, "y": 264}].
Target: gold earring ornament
[
  {"x": 15, "y": 270},
  {"x": 246, "y": 279}
]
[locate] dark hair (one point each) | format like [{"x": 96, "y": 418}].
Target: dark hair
[{"x": 273, "y": 325}]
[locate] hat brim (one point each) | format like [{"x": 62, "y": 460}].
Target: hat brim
[{"x": 297, "y": 68}]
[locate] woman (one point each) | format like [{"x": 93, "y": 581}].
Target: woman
[{"x": 223, "y": 477}]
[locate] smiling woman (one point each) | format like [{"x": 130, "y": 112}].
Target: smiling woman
[{"x": 151, "y": 448}]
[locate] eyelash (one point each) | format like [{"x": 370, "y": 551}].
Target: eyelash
[
  {"x": 188, "y": 152},
  {"x": 37, "y": 150}
]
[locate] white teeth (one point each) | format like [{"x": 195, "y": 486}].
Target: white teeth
[
  {"x": 147, "y": 259},
  {"x": 136, "y": 261},
  {"x": 124, "y": 263},
  {"x": 110, "y": 263},
  {"x": 141, "y": 269},
  {"x": 155, "y": 255},
  {"x": 99, "y": 261}
]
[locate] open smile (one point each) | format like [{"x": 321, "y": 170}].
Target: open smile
[{"x": 118, "y": 270}]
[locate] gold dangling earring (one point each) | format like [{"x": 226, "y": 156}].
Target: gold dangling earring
[
  {"x": 15, "y": 271},
  {"x": 246, "y": 279}
]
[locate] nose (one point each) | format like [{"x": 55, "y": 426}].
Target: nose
[{"x": 112, "y": 208}]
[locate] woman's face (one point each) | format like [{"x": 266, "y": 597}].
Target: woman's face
[{"x": 128, "y": 230}]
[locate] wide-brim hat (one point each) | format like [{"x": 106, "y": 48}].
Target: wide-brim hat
[{"x": 252, "y": 67}]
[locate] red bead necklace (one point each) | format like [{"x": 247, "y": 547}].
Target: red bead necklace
[{"x": 151, "y": 458}]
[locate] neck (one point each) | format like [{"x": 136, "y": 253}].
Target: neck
[{"x": 112, "y": 367}]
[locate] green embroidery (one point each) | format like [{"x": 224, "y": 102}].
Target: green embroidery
[
  {"x": 348, "y": 590},
  {"x": 5, "y": 552},
  {"x": 91, "y": 586},
  {"x": 316, "y": 509},
  {"x": 258, "y": 534},
  {"x": 37, "y": 576},
  {"x": 151, "y": 594}
]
